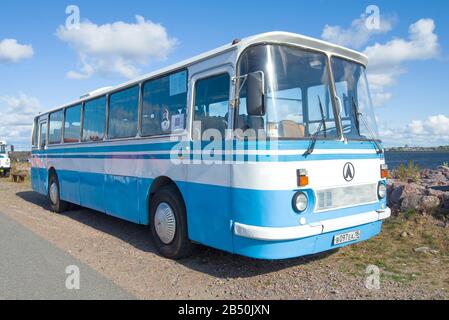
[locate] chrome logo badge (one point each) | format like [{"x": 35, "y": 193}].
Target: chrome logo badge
[{"x": 349, "y": 172}]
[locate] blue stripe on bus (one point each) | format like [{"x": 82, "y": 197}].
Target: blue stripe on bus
[
  {"x": 236, "y": 145},
  {"x": 235, "y": 158}
]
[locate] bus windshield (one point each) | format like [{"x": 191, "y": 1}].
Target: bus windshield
[
  {"x": 2, "y": 149},
  {"x": 357, "y": 113},
  {"x": 298, "y": 102}
]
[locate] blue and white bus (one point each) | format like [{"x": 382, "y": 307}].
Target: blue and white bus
[{"x": 266, "y": 148}]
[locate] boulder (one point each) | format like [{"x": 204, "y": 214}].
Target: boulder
[
  {"x": 429, "y": 203},
  {"x": 434, "y": 192},
  {"x": 445, "y": 202},
  {"x": 395, "y": 196},
  {"x": 430, "y": 194},
  {"x": 411, "y": 201}
]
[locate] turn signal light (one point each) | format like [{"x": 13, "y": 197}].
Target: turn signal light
[
  {"x": 384, "y": 171},
  {"x": 303, "y": 178}
]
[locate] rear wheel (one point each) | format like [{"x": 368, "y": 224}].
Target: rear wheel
[
  {"x": 168, "y": 223},
  {"x": 54, "y": 194}
]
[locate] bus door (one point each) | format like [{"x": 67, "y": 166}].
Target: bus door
[
  {"x": 209, "y": 174},
  {"x": 41, "y": 174}
]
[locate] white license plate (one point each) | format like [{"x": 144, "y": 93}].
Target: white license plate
[{"x": 347, "y": 237}]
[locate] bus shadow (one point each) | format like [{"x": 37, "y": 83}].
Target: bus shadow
[{"x": 206, "y": 260}]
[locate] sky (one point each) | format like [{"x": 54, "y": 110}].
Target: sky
[{"x": 45, "y": 62}]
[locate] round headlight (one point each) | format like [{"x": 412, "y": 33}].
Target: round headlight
[
  {"x": 300, "y": 202},
  {"x": 382, "y": 191}
]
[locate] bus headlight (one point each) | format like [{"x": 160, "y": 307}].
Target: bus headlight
[
  {"x": 382, "y": 191},
  {"x": 300, "y": 202}
]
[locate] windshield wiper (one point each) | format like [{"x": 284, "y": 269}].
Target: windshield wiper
[
  {"x": 356, "y": 115},
  {"x": 359, "y": 116},
  {"x": 315, "y": 135}
]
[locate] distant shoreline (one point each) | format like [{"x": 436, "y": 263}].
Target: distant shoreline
[
  {"x": 442, "y": 149},
  {"x": 418, "y": 151}
]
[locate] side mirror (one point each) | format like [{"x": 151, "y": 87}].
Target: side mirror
[{"x": 255, "y": 97}]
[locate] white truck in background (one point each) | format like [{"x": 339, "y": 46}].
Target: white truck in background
[{"x": 5, "y": 162}]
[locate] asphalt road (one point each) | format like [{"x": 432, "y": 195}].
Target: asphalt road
[{"x": 33, "y": 268}]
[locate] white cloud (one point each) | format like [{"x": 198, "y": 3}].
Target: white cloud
[
  {"x": 422, "y": 45},
  {"x": 17, "y": 114},
  {"x": 117, "y": 48},
  {"x": 12, "y": 52},
  {"x": 357, "y": 35},
  {"x": 386, "y": 59},
  {"x": 433, "y": 131}
]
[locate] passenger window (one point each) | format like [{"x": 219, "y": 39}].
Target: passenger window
[
  {"x": 34, "y": 141},
  {"x": 72, "y": 124},
  {"x": 123, "y": 113},
  {"x": 212, "y": 104},
  {"x": 94, "y": 120},
  {"x": 55, "y": 131},
  {"x": 164, "y": 106},
  {"x": 43, "y": 135}
]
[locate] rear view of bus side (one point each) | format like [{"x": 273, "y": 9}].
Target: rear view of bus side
[{"x": 266, "y": 147}]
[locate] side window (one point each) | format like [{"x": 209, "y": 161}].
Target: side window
[
  {"x": 212, "y": 104},
  {"x": 164, "y": 105},
  {"x": 34, "y": 139},
  {"x": 72, "y": 124},
  {"x": 123, "y": 113},
  {"x": 94, "y": 120},
  {"x": 42, "y": 135},
  {"x": 55, "y": 131}
]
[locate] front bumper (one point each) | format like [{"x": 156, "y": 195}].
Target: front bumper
[{"x": 309, "y": 230}]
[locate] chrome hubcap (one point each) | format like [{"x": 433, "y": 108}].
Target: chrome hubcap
[
  {"x": 54, "y": 193},
  {"x": 165, "y": 223}
]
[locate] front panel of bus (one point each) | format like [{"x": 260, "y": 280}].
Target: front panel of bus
[{"x": 313, "y": 177}]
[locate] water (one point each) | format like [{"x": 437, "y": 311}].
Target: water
[{"x": 425, "y": 160}]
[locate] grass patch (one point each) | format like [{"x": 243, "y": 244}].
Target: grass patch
[
  {"x": 395, "y": 254},
  {"x": 409, "y": 172},
  {"x": 410, "y": 213}
]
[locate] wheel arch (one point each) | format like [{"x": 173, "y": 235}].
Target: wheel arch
[
  {"x": 51, "y": 171},
  {"x": 158, "y": 184}
]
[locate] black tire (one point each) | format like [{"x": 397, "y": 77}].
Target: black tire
[
  {"x": 58, "y": 206},
  {"x": 181, "y": 246}
]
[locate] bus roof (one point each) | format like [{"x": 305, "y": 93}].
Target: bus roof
[{"x": 240, "y": 46}]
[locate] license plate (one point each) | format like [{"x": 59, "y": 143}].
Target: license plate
[{"x": 347, "y": 237}]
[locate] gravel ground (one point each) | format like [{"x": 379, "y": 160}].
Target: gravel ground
[{"x": 124, "y": 253}]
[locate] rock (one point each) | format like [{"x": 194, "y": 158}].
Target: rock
[
  {"x": 442, "y": 224},
  {"x": 422, "y": 249},
  {"x": 404, "y": 234},
  {"x": 429, "y": 203},
  {"x": 396, "y": 196},
  {"x": 411, "y": 202},
  {"x": 444, "y": 170},
  {"x": 434, "y": 192},
  {"x": 445, "y": 202},
  {"x": 426, "y": 250}
]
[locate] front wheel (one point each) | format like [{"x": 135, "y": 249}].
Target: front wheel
[
  {"x": 168, "y": 223},
  {"x": 54, "y": 194}
]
